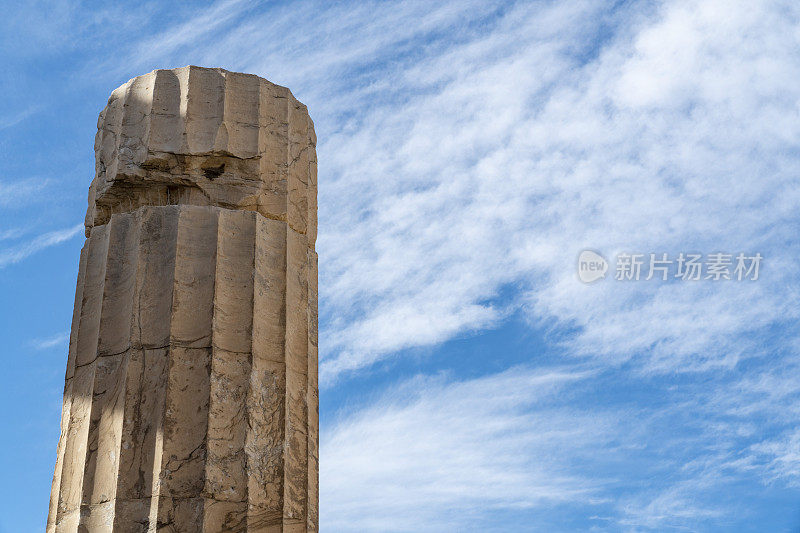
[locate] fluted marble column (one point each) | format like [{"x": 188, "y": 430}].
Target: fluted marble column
[{"x": 190, "y": 399}]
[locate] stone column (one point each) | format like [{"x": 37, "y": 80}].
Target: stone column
[{"x": 190, "y": 399}]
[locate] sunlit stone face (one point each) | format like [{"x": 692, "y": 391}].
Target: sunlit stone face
[{"x": 204, "y": 136}]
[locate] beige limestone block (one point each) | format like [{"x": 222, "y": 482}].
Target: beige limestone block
[{"x": 204, "y": 136}]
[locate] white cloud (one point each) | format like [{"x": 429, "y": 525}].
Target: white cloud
[
  {"x": 448, "y": 455},
  {"x": 16, "y": 193},
  {"x": 21, "y": 251},
  {"x": 196, "y": 28},
  {"x": 782, "y": 457},
  {"x": 51, "y": 342},
  {"x": 430, "y": 205},
  {"x": 671, "y": 509},
  {"x": 9, "y": 233},
  {"x": 16, "y": 118},
  {"x": 431, "y": 451}
]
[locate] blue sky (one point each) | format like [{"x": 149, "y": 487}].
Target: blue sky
[{"x": 469, "y": 151}]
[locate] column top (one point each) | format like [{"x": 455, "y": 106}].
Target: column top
[{"x": 205, "y": 136}]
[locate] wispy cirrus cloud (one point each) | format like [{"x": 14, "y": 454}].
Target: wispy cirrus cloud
[
  {"x": 20, "y": 251},
  {"x": 46, "y": 343},
  {"x": 430, "y": 451},
  {"x": 21, "y": 192},
  {"x": 188, "y": 33},
  {"x": 15, "y": 118},
  {"x": 441, "y": 454},
  {"x": 576, "y": 152},
  {"x": 9, "y": 233}
]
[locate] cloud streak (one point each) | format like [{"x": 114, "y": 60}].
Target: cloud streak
[
  {"x": 17, "y": 253},
  {"x": 16, "y": 193},
  {"x": 50, "y": 342},
  {"x": 16, "y": 118},
  {"x": 431, "y": 450}
]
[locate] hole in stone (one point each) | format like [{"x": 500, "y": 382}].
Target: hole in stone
[{"x": 214, "y": 172}]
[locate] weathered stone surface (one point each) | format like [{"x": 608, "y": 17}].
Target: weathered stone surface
[
  {"x": 205, "y": 137},
  {"x": 190, "y": 399}
]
